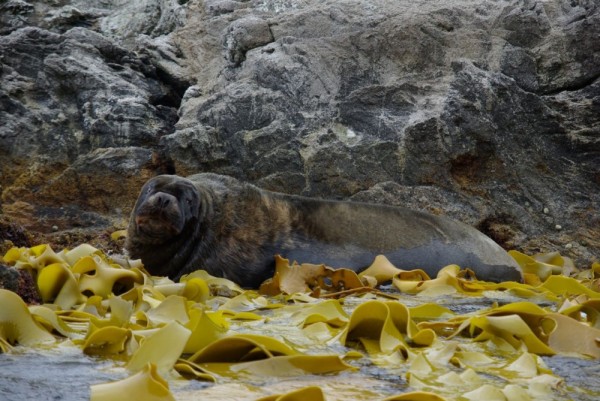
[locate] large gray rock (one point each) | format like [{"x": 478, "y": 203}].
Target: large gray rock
[
  {"x": 63, "y": 98},
  {"x": 488, "y": 111}
]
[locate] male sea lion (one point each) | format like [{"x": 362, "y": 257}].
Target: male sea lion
[{"x": 233, "y": 230}]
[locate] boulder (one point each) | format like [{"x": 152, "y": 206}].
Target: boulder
[{"x": 485, "y": 111}]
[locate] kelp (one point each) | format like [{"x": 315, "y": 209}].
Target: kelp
[
  {"x": 17, "y": 326},
  {"x": 307, "y": 393},
  {"x": 306, "y": 277},
  {"x": 385, "y": 327},
  {"x": 416, "y": 396},
  {"x": 209, "y": 329},
  {"x": 162, "y": 348},
  {"x": 262, "y": 355},
  {"x": 329, "y": 312},
  {"x": 146, "y": 385}
]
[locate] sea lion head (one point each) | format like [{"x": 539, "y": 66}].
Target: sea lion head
[{"x": 165, "y": 206}]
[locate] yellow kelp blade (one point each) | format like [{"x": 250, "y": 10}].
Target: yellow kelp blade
[
  {"x": 50, "y": 320},
  {"x": 248, "y": 301},
  {"x": 104, "y": 276},
  {"x": 420, "y": 366},
  {"x": 386, "y": 323},
  {"x": 410, "y": 281},
  {"x": 190, "y": 370},
  {"x": 17, "y": 325},
  {"x": 162, "y": 349},
  {"x": 429, "y": 311},
  {"x": 486, "y": 392},
  {"x": 206, "y": 328},
  {"x": 217, "y": 285},
  {"x": 586, "y": 310},
  {"x": 416, "y": 396},
  {"x": 173, "y": 308},
  {"x": 320, "y": 332},
  {"x": 526, "y": 365},
  {"x": 293, "y": 365},
  {"x": 471, "y": 359},
  {"x": 311, "y": 393},
  {"x": 372, "y": 321},
  {"x": 570, "y": 335},
  {"x": 44, "y": 255},
  {"x": 513, "y": 392},
  {"x": 196, "y": 290},
  {"x": 58, "y": 284},
  {"x": 442, "y": 352},
  {"x": 519, "y": 308},
  {"x": 120, "y": 311},
  {"x": 468, "y": 378},
  {"x": 329, "y": 312},
  {"x": 241, "y": 348},
  {"x": 562, "y": 285},
  {"x": 511, "y": 328},
  {"x": 530, "y": 313},
  {"x": 381, "y": 269},
  {"x": 450, "y": 279},
  {"x": 13, "y": 255},
  {"x": 106, "y": 341},
  {"x": 401, "y": 317},
  {"x": 83, "y": 250},
  {"x": 116, "y": 235},
  {"x": 145, "y": 385},
  {"x": 529, "y": 265},
  {"x": 32, "y": 259},
  {"x": 293, "y": 278}
]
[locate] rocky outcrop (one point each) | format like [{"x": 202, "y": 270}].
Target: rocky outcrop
[{"x": 486, "y": 111}]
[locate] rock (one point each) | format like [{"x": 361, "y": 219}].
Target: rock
[
  {"x": 218, "y": 7},
  {"x": 127, "y": 20},
  {"x": 19, "y": 282},
  {"x": 64, "y": 99},
  {"x": 14, "y": 15},
  {"x": 246, "y": 34},
  {"x": 486, "y": 111}
]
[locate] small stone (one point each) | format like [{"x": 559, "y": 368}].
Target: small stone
[
  {"x": 54, "y": 228},
  {"x": 569, "y": 246},
  {"x": 558, "y": 227},
  {"x": 546, "y": 210}
]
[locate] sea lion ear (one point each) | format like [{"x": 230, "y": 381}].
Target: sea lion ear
[{"x": 192, "y": 205}]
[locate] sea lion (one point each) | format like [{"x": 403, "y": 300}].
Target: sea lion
[{"x": 233, "y": 230}]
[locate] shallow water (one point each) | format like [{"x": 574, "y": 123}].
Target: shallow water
[
  {"x": 582, "y": 376},
  {"x": 65, "y": 373},
  {"x": 50, "y": 374}
]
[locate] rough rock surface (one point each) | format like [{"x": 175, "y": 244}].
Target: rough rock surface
[
  {"x": 486, "y": 110},
  {"x": 20, "y": 282}
]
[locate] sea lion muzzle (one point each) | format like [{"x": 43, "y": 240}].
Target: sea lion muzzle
[{"x": 160, "y": 216}]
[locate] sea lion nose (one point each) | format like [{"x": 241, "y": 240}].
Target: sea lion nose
[{"x": 162, "y": 199}]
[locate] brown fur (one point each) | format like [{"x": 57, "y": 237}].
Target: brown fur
[{"x": 233, "y": 230}]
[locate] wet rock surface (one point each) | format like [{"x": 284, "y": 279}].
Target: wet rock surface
[{"x": 488, "y": 111}]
